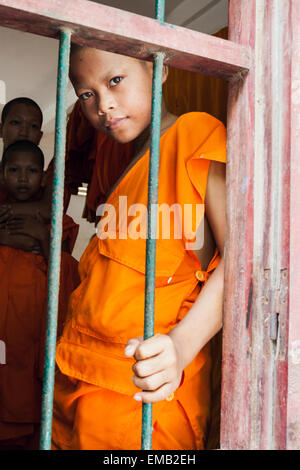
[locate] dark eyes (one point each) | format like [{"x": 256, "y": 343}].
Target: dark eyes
[
  {"x": 15, "y": 169},
  {"x": 15, "y": 122},
  {"x": 114, "y": 81},
  {"x": 85, "y": 96}
]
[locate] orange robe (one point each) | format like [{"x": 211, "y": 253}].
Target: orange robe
[
  {"x": 93, "y": 403},
  {"x": 23, "y": 304}
]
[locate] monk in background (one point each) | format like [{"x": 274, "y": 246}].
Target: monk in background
[
  {"x": 23, "y": 294},
  {"x": 22, "y": 119}
]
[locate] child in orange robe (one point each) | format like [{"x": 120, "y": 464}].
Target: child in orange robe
[
  {"x": 97, "y": 403},
  {"x": 23, "y": 297}
]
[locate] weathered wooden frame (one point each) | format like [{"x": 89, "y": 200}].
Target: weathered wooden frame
[
  {"x": 260, "y": 384},
  {"x": 293, "y": 382},
  {"x": 261, "y": 334},
  {"x": 126, "y": 33}
]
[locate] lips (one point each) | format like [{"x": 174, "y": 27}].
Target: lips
[
  {"x": 23, "y": 189},
  {"x": 115, "y": 123}
]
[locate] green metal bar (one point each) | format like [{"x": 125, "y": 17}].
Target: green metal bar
[
  {"x": 152, "y": 227},
  {"x": 55, "y": 239},
  {"x": 160, "y": 10},
  {"x": 152, "y": 218}
]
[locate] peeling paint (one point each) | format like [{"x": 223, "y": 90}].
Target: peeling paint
[
  {"x": 186, "y": 49},
  {"x": 245, "y": 185},
  {"x": 295, "y": 352}
]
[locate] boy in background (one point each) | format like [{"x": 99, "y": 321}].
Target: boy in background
[
  {"x": 23, "y": 296},
  {"x": 22, "y": 119}
]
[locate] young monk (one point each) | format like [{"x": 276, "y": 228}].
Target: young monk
[
  {"x": 22, "y": 119},
  {"x": 23, "y": 299},
  {"x": 98, "y": 399}
]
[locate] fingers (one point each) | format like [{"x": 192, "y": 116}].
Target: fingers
[
  {"x": 157, "y": 395},
  {"x": 12, "y": 223},
  {"x": 5, "y": 213},
  {"x": 157, "y": 377},
  {"x": 157, "y": 371},
  {"x": 153, "y": 365},
  {"x": 152, "y": 382},
  {"x": 15, "y": 224},
  {"x": 4, "y": 208},
  {"x": 152, "y": 347},
  {"x": 36, "y": 249},
  {"x": 132, "y": 346},
  {"x": 18, "y": 221},
  {"x": 156, "y": 368}
]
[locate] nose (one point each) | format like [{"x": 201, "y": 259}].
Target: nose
[
  {"x": 24, "y": 130},
  {"x": 105, "y": 103},
  {"x": 23, "y": 177}
]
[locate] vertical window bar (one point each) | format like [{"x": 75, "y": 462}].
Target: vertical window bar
[
  {"x": 152, "y": 218},
  {"x": 160, "y": 10},
  {"x": 55, "y": 240}
]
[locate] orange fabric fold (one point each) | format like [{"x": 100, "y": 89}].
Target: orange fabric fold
[
  {"x": 23, "y": 300},
  {"x": 107, "y": 309},
  {"x": 70, "y": 231},
  {"x": 23, "y": 305}
]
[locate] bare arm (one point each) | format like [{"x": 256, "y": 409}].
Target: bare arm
[
  {"x": 204, "y": 319},
  {"x": 36, "y": 208},
  {"x": 32, "y": 227},
  {"x": 20, "y": 242},
  {"x": 162, "y": 358}
]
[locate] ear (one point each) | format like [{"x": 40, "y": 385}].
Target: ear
[
  {"x": 44, "y": 179},
  {"x": 165, "y": 73},
  {"x": 41, "y": 135}
]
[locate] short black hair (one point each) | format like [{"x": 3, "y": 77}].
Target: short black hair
[
  {"x": 22, "y": 146},
  {"x": 20, "y": 100},
  {"x": 75, "y": 48}
]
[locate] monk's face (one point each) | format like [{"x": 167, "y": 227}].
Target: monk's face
[
  {"x": 115, "y": 92},
  {"x": 23, "y": 122},
  {"x": 23, "y": 175}
]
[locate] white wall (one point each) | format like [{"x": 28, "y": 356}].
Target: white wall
[
  {"x": 76, "y": 206},
  {"x": 86, "y": 229}
]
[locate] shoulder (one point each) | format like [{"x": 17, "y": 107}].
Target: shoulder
[
  {"x": 196, "y": 136},
  {"x": 204, "y": 122},
  {"x": 201, "y": 134}
]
